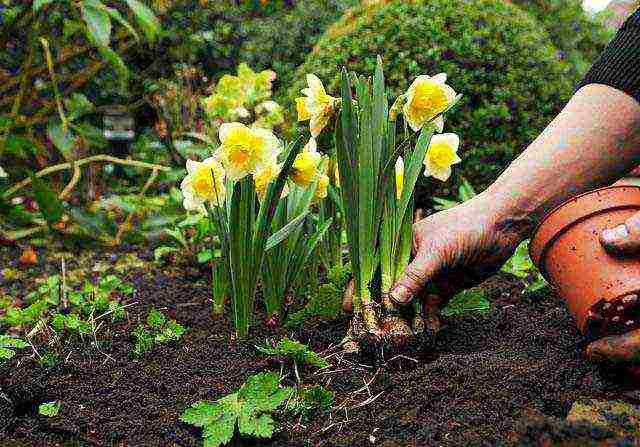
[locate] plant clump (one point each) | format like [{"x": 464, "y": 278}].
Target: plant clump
[
  {"x": 495, "y": 52},
  {"x": 158, "y": 330}
]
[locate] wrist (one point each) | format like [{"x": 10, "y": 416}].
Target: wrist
[{"x": 510, "y": 222}]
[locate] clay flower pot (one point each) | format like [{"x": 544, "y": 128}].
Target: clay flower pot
[{"x": 600, "y": 289}]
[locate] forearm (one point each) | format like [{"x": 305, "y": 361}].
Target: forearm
[{"x": 591, "y": 143}]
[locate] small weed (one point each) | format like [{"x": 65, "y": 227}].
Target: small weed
[
  {"x": 467, "y": 302},
  {"x": 312, "y": 400},
  {"x": 49, "y": 409},
  {"x": 157, "y": 330},
  {"x": 250, "y": 409},
  {"x": 521, "y": 266},
  {"x": 296, "y": 352},
  {"x": 9, "y": 345}
]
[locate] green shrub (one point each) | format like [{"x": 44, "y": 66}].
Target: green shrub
[
  {"x": 220, "y": 35},
  {"x": 579, "y": 37},
  {"x": 497, "y": 55}
]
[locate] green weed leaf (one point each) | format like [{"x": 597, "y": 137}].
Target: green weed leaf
[{"x": 98, "y": 20}]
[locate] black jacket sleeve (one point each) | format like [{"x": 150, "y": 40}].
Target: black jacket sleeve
[{"x": 619, "y": 65}]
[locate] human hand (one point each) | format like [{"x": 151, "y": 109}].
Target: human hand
[{"x": 454, "y": 249}]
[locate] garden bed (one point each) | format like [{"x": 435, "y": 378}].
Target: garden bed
[{"x": 490, "y": 379}]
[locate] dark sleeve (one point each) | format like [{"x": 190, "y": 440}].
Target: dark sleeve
[{"x": 619, "y": 65}]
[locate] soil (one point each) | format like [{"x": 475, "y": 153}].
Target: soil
[{"x": 505, "y": 378}]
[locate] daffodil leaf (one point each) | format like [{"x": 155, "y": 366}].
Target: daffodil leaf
[
  {"x": 146, "y": 19},
  {"x": 285, "y": 231}
]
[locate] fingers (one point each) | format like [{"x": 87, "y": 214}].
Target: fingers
[
  {"x": 413, "y": 279},
  {"x": 347, "y": 300},
  {"x": 623, "y": 239},
  {"x": 623, "y": 348}
]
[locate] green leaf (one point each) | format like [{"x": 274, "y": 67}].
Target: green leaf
[
  {"x": 39, "y": 4},
  {"x": 63, "y": 139},
  {"x": 98, "y": 20},
  {"x": 96, "y": 224},
  {"x": 285, "y": 231},
  {"x": 162, "y": 251},
  {"x": 146, "y": 19},
  {"x": 49, "y": 409},
  {"x": 50, "y": 206},
  {"x": 18, "y": 146},
  {"x": 205, "y": 256},
  {"x": 156, "y": 319},
  {"x": 78, "y": 105},
  {"x": 115, "y": 14},
  {"x": 117, "y": 63}
]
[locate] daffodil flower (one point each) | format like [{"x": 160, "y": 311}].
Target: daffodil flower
[
  {"x": 425, "y": 101},
  {"x": 305, "y": 168},
  {"x": 316, "y": 105},
  {"x": 322, "y": 190},
  {"x": 245, "y": 150},
  {"x": 3, "y": 173},
  {"x": 441, "y": 155},
  {"x": 264, "y": 177},
  {"x": 399, "y": 177},
  {"x": 204, "y": 183}
]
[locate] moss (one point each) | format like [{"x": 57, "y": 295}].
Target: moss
[{"x": 497, "y": 55}]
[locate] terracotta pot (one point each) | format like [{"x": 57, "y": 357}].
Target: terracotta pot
[{"x": 566, "y": 248}]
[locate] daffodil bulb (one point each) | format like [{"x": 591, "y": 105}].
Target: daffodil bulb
[
  {"x": 425, "y": 101},
  {"x": 441, "y": 155},
  {"x": 246, "y": 150},
  {"x": 204, "y": 183},
  {"x": 399, "y": 177},
  {"x": 316, "y": 105}
]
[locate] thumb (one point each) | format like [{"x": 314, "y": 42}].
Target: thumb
[
  {"x": 414, "y": 278},
  {"x": 623, "y": 239}
]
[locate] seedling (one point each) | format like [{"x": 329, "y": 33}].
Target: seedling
[
  {"x": 312, "y": 400},
  {"x": 296, "y": 352},
  {"x": 465, "y": 192},
  {"x": 50, "y": 409},
  {"x": 472, "y": 301},
  {"x": 158, "y": 330},
  {"x": 9, "y": 345},
  {"x": 250, "y": 410},
  {"x": 521, "y": 266}
]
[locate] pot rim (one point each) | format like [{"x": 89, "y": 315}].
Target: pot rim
[{"x": 542, "y": 239}]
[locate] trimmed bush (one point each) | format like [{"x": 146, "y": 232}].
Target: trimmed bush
[
  {"x": 497, "y": 55},
  {"x": 579, "y": 37}
]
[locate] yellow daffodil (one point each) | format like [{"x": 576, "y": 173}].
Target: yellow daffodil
[
  {"x": 245, "y": 150},
  {"x": 305, "y": 168},
  {"x": 322, "y": 190},
  {"x": 264, "y": 177},
  {"x": 441, "y": 155},
  {"x": 204, "y": 183},
  {"x": 316, "y": 105},
  {"x": 399, "y": 177},
  {"x": 425, "y": 101}
]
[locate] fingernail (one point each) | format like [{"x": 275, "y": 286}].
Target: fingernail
[
  {"x": 616, "y": 234},
  {"x": 401, "y": 294}
]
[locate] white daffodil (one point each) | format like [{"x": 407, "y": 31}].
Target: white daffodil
[
  {"x": 204, "y": 183},
  {"x": 441, "y": 155},
  {"x": 316, "y": 105}
]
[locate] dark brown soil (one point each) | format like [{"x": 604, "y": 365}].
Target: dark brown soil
[{"x": 507, "y": 378}]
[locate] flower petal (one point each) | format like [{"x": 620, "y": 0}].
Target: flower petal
[
  {"x": 315, "y": 84},
  {"x": 440, "y": 78},
  {"x": 225, "y": 128}
]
